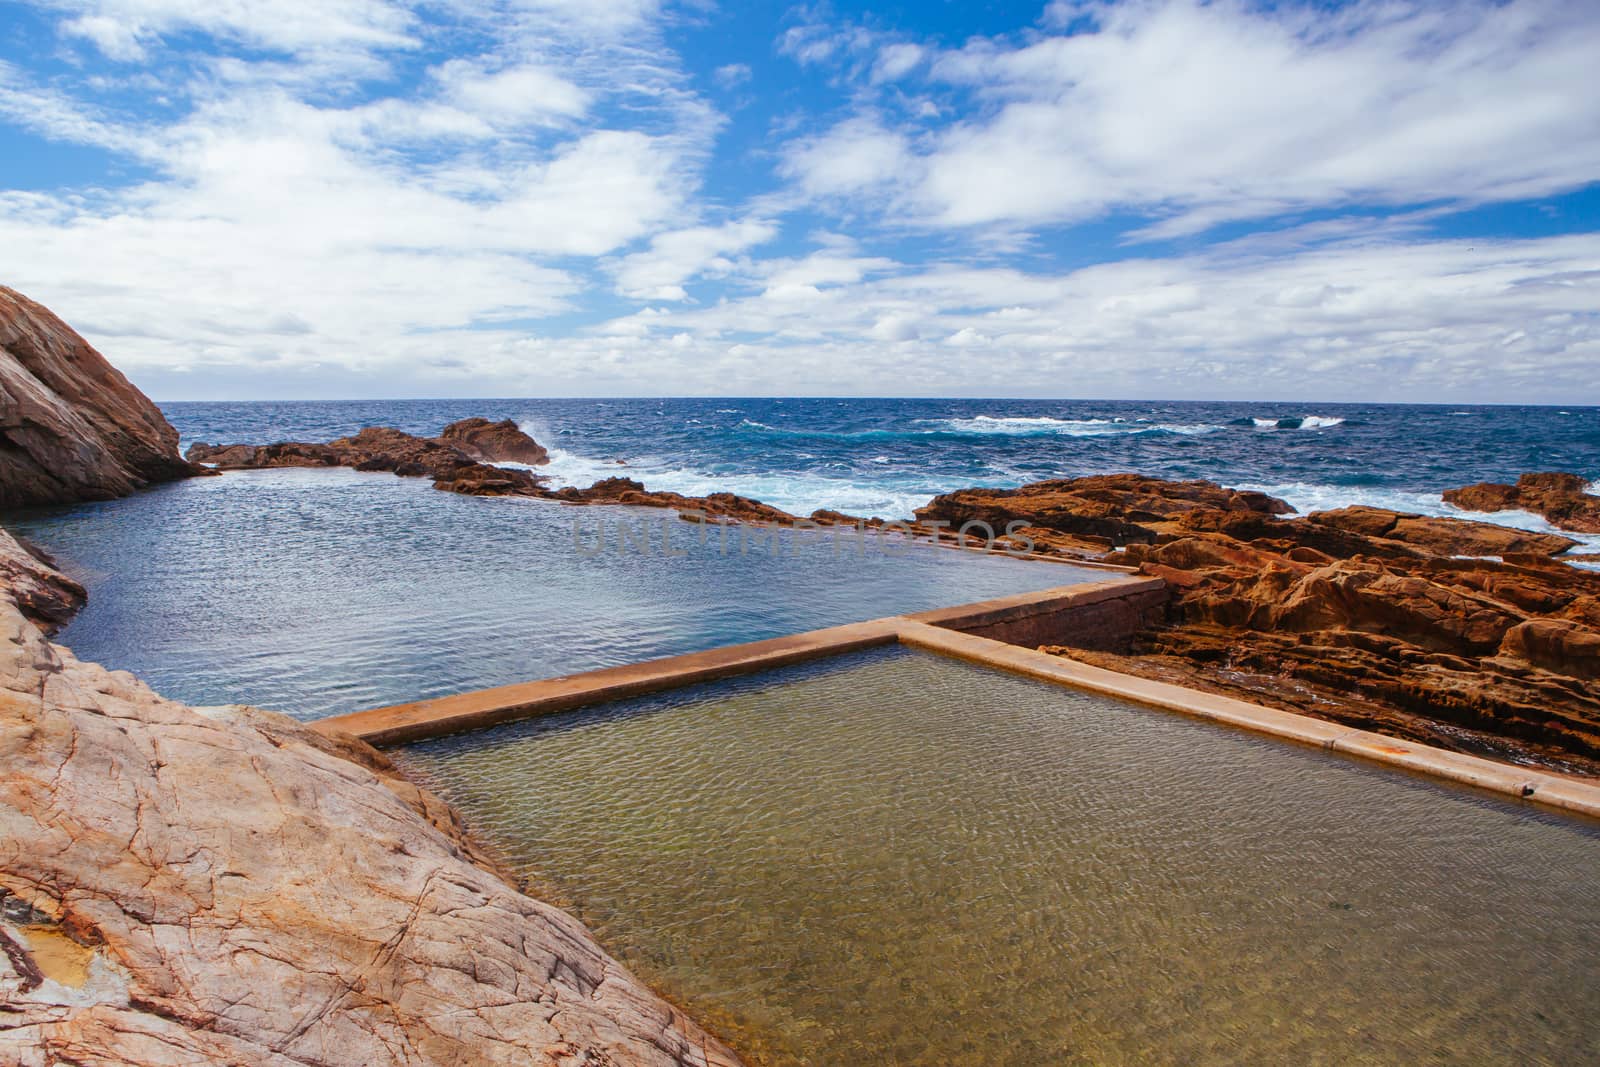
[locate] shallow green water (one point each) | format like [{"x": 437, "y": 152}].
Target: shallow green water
[{"x": 896, "y": 859}]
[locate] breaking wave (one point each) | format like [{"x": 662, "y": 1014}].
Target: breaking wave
[{"x": 1293, "y": 422}]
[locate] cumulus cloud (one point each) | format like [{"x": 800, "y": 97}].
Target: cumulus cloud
[
  {"x": 282, "y": 227},
  {"x": 1417, "y": 321},
  {"x": 494, "y": 197},
  {"x": 678, "y": 256},
  {"x": 1202, "y": 113}
]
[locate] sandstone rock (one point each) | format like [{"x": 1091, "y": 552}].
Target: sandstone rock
[
  {"x": 1110, "y": 509},
  {"x": 494, "y": 442},
  {"x": 71, "y": 426},
  {"x": 1561, "y": 498},
  {"x": 627, "y": 491},
  {"x": 1362, "y": 615},
  {"x": 179, "y": 887},
  {"x": 1453, "y": 537}
]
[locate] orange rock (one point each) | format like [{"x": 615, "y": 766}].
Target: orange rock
[
  {"x": 71, "y": 426},
  {"x": 1561, "y": 498}
]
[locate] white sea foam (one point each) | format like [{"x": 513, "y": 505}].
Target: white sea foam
[
  {"x": 1028, "y": 426},
  {"x": 1298, "y": 422}
]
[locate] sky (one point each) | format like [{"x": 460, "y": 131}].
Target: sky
[{"x": 1164, "y": 199}]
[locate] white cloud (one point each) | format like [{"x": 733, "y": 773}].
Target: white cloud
[
  {"x": 284, "y": 228},
  {"x": 678, "y": 256},
  {"x": 1423, "y": 321},
  {"x": 119, "y": 27},
  {"x": 732, "y": 75},
  {"x": 895, "y": 61},
  {"x": 1205, "y": 113},
  {"x": 858, "y": 155},
  {"x": 513, "y": 94}
]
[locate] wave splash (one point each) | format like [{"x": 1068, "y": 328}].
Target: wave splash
[{"x": 1293, "y": 422}]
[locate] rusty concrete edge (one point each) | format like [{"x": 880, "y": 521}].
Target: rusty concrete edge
[
  {"x": 938, "y": 632},
  {"x": 1543, "y": 788}
]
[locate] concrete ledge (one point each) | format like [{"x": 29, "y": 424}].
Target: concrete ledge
[
  {"x": 1099, "y": 615},
  {"x": 401, "y": 724}
]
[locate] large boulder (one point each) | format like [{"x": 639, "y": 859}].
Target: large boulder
[
  {"x": 494, "y": 442},
  {"x": 71, "y": 426},
  {"x": 181, "y": 886}
]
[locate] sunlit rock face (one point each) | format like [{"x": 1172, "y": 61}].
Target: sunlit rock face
[{"x": 182, "y": 885}]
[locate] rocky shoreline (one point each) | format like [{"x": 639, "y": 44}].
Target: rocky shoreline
[
  {"x": 226, "y": 885},
  {"x": 184, "y": 885},
  {"x": 187, "y": 885},
  {"x": 1464, "y": 635}
]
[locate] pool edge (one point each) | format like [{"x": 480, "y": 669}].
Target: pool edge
[{"x": 985, "y": 633}]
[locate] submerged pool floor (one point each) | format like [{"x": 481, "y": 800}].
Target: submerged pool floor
[{"x": 898, "y": 859}]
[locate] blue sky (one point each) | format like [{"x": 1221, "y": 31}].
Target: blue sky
[{"x": 1162, "y": 198}]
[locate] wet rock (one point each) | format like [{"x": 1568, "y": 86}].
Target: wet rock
[
  {"x": 1103, "y": 510},
  {"x": 1563, "y": 499},
  {"x": 1446, "y": 536},
  {"x": 494, "y": 442},
  {"x": 1361, "y": 615},
  {"x": 71, "y": 426},
  {"x": 627, "y": 491},
  {"x": 43, "y": 594}
]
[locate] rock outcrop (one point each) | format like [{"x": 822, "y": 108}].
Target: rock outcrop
[
  {"x": 183, "y": 886},
  {"x": 1563, "y": 499},
  {"x": 1363, "y": 616},
  {"x": 447, "y": 460},
  {"x": 494, "y": 442},
  {"x": 71, "y": 426},
  {"x": 1095, "y": 513},
  {"x": 379, "y": 448},
  {"x": 721, "y": 506}
]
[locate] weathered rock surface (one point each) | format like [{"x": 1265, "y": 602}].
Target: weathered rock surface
[
  {"x": 45, "y": 597},
  {"x": 1450, "y": 537},
  {"x": 1094, "y": 513},
  {"x": 380, "y": 448},
  {"x": 626, "y": 491},
  {"x": 1359, "y": 615},
  {"x": 494, "y": 442},
  {"x": 179, "y": 887},
  {"x": 446, "y": 460},
  {"x": 1561, "y": 498},
  {"x": 71, "y": 426}
]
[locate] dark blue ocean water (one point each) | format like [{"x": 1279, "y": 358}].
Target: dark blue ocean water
[{"x": 886, "y": 457}]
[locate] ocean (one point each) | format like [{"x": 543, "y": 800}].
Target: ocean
[{"x": 887, "y": 457}]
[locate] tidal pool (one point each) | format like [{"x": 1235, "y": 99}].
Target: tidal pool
[
  {"x": 897, "y": 859},
  {"x": 322, "y": 592}
]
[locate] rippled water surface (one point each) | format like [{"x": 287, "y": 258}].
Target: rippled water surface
[
  {"x": 317, "y": 592},
  {"x": 896, "y": 859}
]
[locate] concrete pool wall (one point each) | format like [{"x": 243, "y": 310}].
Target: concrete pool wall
[{"x": 1000, "y": 634}]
